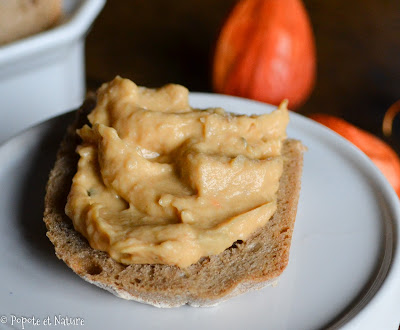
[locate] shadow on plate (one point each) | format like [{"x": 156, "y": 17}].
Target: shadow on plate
[
  {"x": 31, "y": 197},
  {"x": 30, "y": 203}
]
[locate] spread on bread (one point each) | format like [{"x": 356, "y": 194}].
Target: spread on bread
[{"x": 159, "y": 182}]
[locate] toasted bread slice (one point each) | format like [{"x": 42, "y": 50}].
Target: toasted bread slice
[{"x": 245, "y": 265}]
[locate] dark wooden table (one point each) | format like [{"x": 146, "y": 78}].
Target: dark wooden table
[{"x": 154, "y": 42}]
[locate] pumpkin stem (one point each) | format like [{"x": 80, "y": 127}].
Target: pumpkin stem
[{"x": 387, "y": 124}]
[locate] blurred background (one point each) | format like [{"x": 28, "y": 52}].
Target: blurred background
[{"x": 154, "y": 42}]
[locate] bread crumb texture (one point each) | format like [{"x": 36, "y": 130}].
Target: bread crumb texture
[{"x": 244, "y": 266}]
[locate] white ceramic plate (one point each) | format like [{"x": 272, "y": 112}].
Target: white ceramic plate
[{"x": 344, "y": 268}]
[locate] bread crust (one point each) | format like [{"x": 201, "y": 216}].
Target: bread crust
[{"x": 244, "y": 266}]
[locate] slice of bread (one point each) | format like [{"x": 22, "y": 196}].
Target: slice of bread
[
  {"x": 245, "y": 265},
  {"x": 21, "y": 18}
]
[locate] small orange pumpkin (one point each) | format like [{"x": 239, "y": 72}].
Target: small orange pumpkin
[
  {"x": 265, "y": 51},
  {"x": 384, "y": 157}
]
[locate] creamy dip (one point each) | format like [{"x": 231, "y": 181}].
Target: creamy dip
[{"x": 161, "y": 182}]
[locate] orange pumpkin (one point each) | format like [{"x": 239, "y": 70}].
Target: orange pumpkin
[
  {"x": 384, "y": 157},
  {"x": 265, "y": 51}
]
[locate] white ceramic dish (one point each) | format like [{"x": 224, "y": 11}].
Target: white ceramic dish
[
  {"x": 44, "y": 74},
  {"x": 344, "y": 268}
]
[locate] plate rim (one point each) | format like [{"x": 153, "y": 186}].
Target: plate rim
[{"x": 391, "y": 277}]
